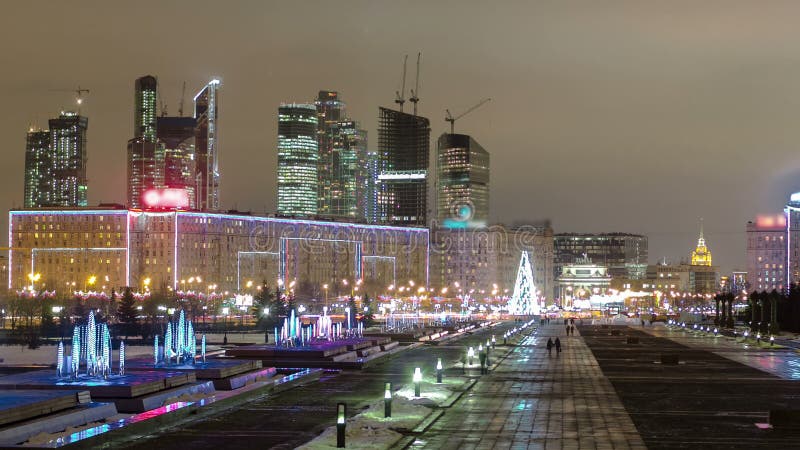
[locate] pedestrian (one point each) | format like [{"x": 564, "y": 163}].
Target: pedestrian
[
  {"x": 550, "y": 346},
  {"x": 567, "y": 328},
  {"x": 558, "y": 346}
]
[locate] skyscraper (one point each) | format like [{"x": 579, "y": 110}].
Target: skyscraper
[
  {"x": 176, "y": 137},
  {"x": 144, "y": 118},
  {"x": 38, "y": 167},
  {"x": 206, "y": 113},
  {"x": 370, "y": 185},
  {"x": 297, "y": 159},
  {"x": 462, "y": 193},
  {"x": 145, "y": 157},
  {"x": 404, "y": 149},
  {"x": 330, "y": 110},
  {"x": 67, "y": 185}
]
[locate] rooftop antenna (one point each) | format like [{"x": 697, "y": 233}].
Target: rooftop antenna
[
  {"x": 415, "y": 92},
  {"x": 183, "y": 96},
  {"x": 401, "y": 94},
  {"x": 449, "y": 117}
]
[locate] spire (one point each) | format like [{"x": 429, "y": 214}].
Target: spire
[{"x": 701, "y": 242}]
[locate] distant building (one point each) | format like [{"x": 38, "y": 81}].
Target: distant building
[
  {"x": 176, "y": 138},
  {"x": 402, "y": 185},
  {"x": 38, "y": 168},
  {"x": 624, "y": 254},
  {"x": 206, "y": 115},
  {"x": 482, "y": 260},
  {"x": 701, "y": 255},
  {"x": 371, "y": 187},
  {"x": 462, "y": 191},
  {"x": 683, "y": 278},
  {"x": 297, "y": 159},
  {"x": 580, "y": 280},
  {"x": 145, "y": 157},
  {"x": 766, "y": 253},
  {"x": 67, "y": 184}
]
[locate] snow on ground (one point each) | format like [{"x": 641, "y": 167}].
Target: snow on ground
[
  {"x": 47, "y": 354},
  {"x": 370, "y": 430}
]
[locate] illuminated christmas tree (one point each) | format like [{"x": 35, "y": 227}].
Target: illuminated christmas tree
[{"x": 523, "y": 301}]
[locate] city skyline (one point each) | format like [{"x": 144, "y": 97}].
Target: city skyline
[{"x": 576, "y": 104}]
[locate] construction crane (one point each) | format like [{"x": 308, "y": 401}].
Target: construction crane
[
  {"x": 415, "y": 92},
  {"x": 78, "y": 93},
  {"x": 449, "y": 117},
  {"x": 401, "y": 94},
  {"x": 183, "y": 96}
]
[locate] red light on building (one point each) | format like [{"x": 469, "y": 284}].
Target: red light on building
[
  {"x": 168, "y": 198},
  {"x": 776, "y": 221}
]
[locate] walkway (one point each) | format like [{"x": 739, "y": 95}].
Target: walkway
[
  {"x": 538, "y": 402},
  {"x": 781, "y": 362}
]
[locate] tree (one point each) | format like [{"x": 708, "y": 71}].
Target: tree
[
  {"x": 262, "y": 302},
  {"x": 127, "y": 315},
  {"x": 368, "y": 312},
  {"x": 351, "y": 303}
]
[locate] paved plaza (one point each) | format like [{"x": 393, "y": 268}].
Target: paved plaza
[{"x": 536, "y": 401}]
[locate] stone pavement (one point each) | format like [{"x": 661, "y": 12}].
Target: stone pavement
[
  {"x": 781, "y": 362},
  {"x": 535, "y": 401}
]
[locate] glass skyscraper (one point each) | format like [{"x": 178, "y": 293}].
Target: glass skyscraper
[
  {"x": 207, "y": 146},
  {"x": 67, "y": 184},
  {"x": 38, "y": 168},
  {"x": 145, "y": 157},
  {"x": 462, "y": 194},
  {"x": 176, "y": 137},
  {"x": 402, "y": 184},
  {"x": 297, "y": 159}
]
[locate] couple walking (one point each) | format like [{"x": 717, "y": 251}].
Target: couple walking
[{"x": 550, "y": 346}]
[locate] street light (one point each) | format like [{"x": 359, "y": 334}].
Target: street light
[
  {"x": 439, "y": 370},
  {"x": 417, "y": 380},
  {"x": 387, "y": 399}
]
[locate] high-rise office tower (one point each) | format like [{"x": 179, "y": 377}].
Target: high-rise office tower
[
  {"x": 206, "y": 112},
  {"x": 342, "y": 165},
  {"x": 145, "y": 157},
  {"x": 176, "y": 137},
  {"x": 330, "y": 110},
  {"x": 144, "y": 118},
  {"x": 371, "y": 188},
  {"x": 38, "y": 167},
  {"x": 67, "y": 185},
  {"x": 297, "y": 159},
  {"x": 404, "y": 149},
  {"x": 462, "y": 194}
]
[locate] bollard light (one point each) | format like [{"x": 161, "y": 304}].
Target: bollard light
[
  {"x": 439, "y": 370},
  {"x": 771, "y": 341},
  {"x": 417, "y": 380},
  {"x": 494, "y": 341},
  {"x": 715, "y": 331},
  {"x": 341, "y": 414},
  {"x": 471, "y": 355},
  {"x": 387, "y": 400},
  {"x": 758, "y": 338}
]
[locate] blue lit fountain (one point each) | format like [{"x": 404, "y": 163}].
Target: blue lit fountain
[{"x": 91, "y": 348}]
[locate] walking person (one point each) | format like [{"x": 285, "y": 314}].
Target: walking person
[
  {"x": 558, "y": 346},
  {"x": 550, "y": 346}
]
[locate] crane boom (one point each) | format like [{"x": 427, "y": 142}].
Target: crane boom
[
  {"x": 415, "y": 92},
  {"x": 449, "y": 117},
  {"x": 401, "y": 94}
]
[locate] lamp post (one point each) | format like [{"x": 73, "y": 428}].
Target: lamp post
[
  {"x": 470, "y": 355},
  {"x": 439, "y": 370},
  {"x": 387, "y": 400},
  {"x": 341, "y": 414},
  {"x": 266, "y": 326},
  {"x": 417, "y": 380},
  {"x": 225, "y": 312}
]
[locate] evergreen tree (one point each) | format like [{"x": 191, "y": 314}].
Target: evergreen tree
[
  {"x": 368, "y": 311},
  {"x": 351, "y": 303},
  {"x": 278, "y": 309},
  {"x": 127, "y": 315},
  {"x": 263, "y": 301}
]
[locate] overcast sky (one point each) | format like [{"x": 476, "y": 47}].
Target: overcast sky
[{"x": 605, "y": 116}]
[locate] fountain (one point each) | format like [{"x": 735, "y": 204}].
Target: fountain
[
  {"x": 180, "y": 342},
  {"x": 91, "y": 345}
]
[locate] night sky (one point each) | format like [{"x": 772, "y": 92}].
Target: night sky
[{"x": 605, "y": 116}]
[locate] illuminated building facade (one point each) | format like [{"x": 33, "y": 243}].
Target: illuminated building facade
[
  {"x": 766, "y": 253},
  {"x": 124, "y": 247},
  {"x": 479, "y": 259},
  {"x": 297, "y": 159},
  {"x": 342, "y": 165},
  {"x": 206, "y": 115},
  {"x": 701, "y": 255},
  {"x": 462, "y": 192},
  {"x": 67, "y": 186},
  {"x": 373, "y": 164},
  {"x": 624, "y": 254},
  {"x": 792, "y": 211},
  {"x": 38, "y": 168},
  {"x": 145, "y": 156},
  {"x": 686, "y": 278},
  {"x": 176, "y": 137},
  {"x": 581, "y": 280},
  {"x": 402, "y": 184}
]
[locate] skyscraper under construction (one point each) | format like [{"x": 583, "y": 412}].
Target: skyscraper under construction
[{"x": 403, "y": 152}]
